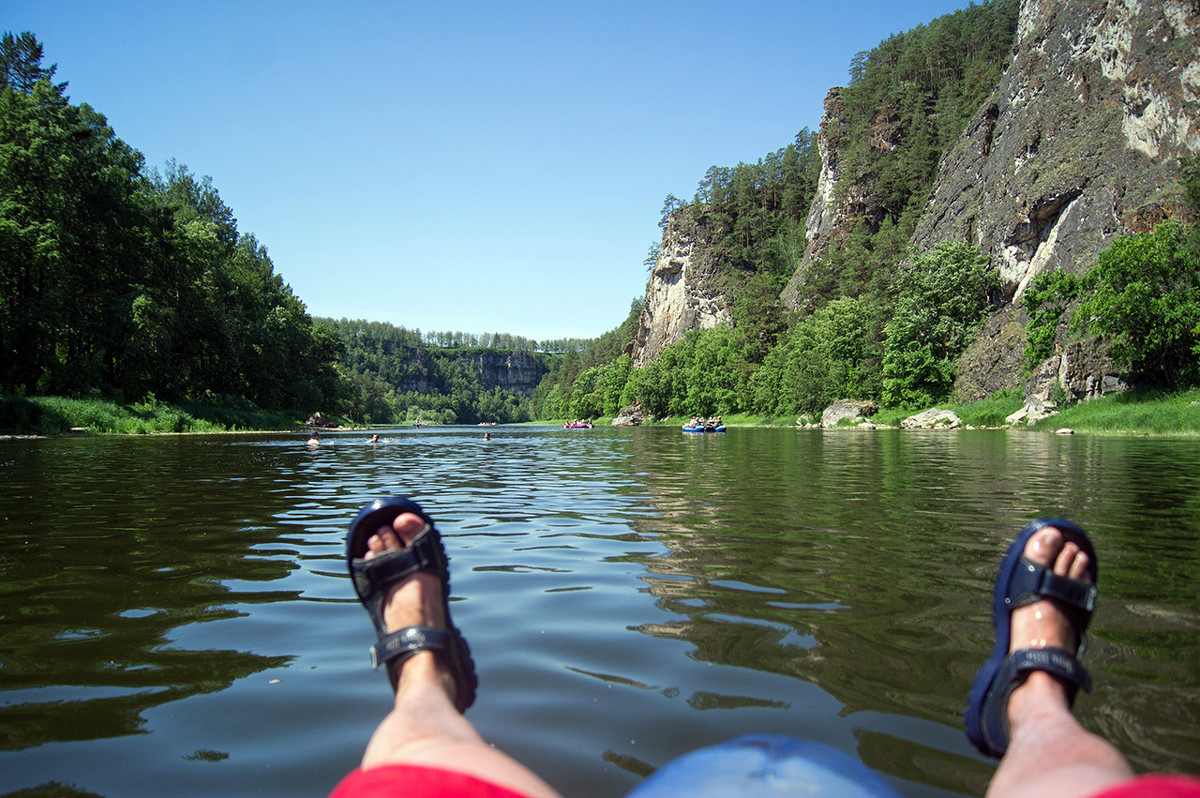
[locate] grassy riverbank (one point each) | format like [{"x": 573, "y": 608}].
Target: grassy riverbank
[
  {"x": 1139, "y": 412},
  {"x": 54, "y": 415}
]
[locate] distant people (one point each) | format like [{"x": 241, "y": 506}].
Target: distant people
[
  {"x": 1019, "y": 707},
  {"x": 314, "y": 439}
]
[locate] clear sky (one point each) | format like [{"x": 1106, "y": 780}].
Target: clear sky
[{"x": 483, "y": 167}]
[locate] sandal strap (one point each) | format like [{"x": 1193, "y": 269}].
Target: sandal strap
[
  {"x": 425, "y": 553},
  {"x": 1058, "y": 662},
  {"x": 1032, "y": 582},
  {"x": 403, "y": 643}
]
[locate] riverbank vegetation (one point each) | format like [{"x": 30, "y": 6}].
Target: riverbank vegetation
[{"x": 132, "y": 291}]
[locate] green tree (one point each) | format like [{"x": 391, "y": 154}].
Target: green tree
[
  {"x": 943, "y": 297},
  {"x": 1143, "y": 295}
]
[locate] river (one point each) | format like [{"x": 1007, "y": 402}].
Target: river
[{"x": 176, "y": 619}]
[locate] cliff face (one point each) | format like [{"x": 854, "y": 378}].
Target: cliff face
[
  {"x": 509, "y": 371},
  {"x": 1081, "y": 144},
  {"x": 685, "y": 291}
]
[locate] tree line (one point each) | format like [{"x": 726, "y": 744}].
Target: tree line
[{"x": 122, "y": 281}]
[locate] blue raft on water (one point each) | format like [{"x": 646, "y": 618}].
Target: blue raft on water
[{"x": 704, "y": 428}]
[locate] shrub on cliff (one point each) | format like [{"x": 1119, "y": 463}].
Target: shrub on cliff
[
  {"x": 943, "y": 297},
  {"x": 1143, "y": 295}
]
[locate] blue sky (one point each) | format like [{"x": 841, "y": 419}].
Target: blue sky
[{"x": 483, "y": 167}]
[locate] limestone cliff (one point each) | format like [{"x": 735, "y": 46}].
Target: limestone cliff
[
  {"x": 685, "y": 290},
  {"x": 1079, "y": 144},
  {"x": 510, "y": 371}
]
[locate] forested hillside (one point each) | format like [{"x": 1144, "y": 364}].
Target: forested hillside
[
  {"x": 121, "y": 281},
  {"x": 394, "y": 375},
  {"x": 874, "y": 321}
]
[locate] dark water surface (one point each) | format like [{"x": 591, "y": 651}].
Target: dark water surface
[{"x": 175, "y": 617}]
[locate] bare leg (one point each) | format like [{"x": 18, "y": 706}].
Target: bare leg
[
  {"x": 423, "y": 727},
  {"x": 1049, "y": 753}
]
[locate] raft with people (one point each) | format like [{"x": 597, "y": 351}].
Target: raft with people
[
  {"x": 713, "y": 424},
  {"x": 579, "y": 425}
]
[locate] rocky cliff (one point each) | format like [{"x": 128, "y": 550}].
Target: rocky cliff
[
  {"x": 1079, "y": 144},
  {"x": 510, "y": 371},
  {"x": 685, "y": 290}
]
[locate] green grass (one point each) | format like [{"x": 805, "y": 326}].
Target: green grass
[
  {"x": 1145, "y": 411},
  {"x": 56, "y": 415}
]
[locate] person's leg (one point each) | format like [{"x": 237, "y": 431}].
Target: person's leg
[
  {"x": 1049, "y": 752},
  {"x": 424, "y": 728}
]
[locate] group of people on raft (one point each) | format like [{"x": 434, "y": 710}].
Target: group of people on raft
[{"x": 697, "y": 423}]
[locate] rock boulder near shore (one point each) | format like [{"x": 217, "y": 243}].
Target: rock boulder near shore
[
  {"x": 932, "y": 419},
  {"x": 851, "y": 410},
  {"x": 631, "y": 416}
]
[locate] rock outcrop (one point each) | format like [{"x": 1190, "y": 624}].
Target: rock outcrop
[
  {"x": 850, "y": 410},
  {"x": 631, "y": 416},
  {"x": 1080, "y": 144},
  {"x": 510, "y": 371},
  {"x": 685, "y": 291},
  {"x": 826, "y": 218}
]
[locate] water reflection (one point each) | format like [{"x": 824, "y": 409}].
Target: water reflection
[
  {"x": 105, "y": 581},
  {"x": 630, "y": 595}
]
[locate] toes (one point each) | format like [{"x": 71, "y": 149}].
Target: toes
[
  {"x": 381, "y": 541},
  {"x": 397, "y": 535},
  {"x": 1045, "y": 546},
  {"x": 407, "y": 526},
  {"x": 1078, "y": 568}
]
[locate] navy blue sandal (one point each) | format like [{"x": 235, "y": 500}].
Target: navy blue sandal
[
  {"x": 372, "y": 578},
  {"x": 1021, "y": 582}
]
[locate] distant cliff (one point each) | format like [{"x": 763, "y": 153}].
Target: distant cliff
[
  {"x": 685, "y": 292},
  {"x": 510, "y": 371}
]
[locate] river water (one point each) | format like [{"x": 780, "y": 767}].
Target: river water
[{"x": 175, "y": 617}]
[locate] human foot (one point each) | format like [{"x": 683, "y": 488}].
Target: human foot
[
  {"x": 401, "y": 575},
  {"x": 1045, "y": 623},
  {"x": 417, "y": 599},
  {"x": 1045, "y": 592}
]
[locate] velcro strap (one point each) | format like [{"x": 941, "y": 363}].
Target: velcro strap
[
  {"x": 1033, "y": 582},
  {"x": 395, "y": 564},
  {"x": 1058, "y": 662},
  {"x": 402, "y": 644}
]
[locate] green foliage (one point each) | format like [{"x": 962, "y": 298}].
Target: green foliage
[
  {"x": 393, "y": 376},
  {"x": 1145, "y": 410},
  {"x": 1143, "y": 294},
  {"x": 1046, "y": 298},
  {"x": 61, "y": 415},
  {"x": 942, "y": 299},
  {"x": 122, "y": 282},
  {"x": 824, "y": 358}
]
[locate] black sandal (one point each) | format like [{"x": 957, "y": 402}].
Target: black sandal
[
  {"x": 372, "y": 579},
  {"x": 1019, "y": 582}
]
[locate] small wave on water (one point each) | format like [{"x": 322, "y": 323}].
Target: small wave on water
[{"x": 181, "y": 605}]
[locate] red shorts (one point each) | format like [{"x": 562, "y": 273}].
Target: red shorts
[
  {"x": 1154, "y": 785},
  {"x": 416, "y": 781}
]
